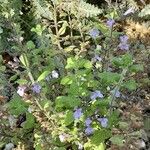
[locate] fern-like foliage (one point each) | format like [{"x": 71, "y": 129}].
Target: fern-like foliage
[
  {"x": 81, "y": 8},
  {"x": 88, "y": 10},
  {"x": 145, "y": 12},
  {"x": 133, "y": 4},
  {"x": 42, "y": 9}
]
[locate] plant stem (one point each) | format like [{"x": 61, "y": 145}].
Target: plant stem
[
  {"x": 117, "y": 88},
  {"x": 56, "y": 27}
]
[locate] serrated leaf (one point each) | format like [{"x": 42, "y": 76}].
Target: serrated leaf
[
  {"x": 117, "y": 140},
  {"x": 67, "y": 102},
  {"x": 130, "y": 85},
  {"x": 30, "y": 45},
  {"x": 17, "y": 105},
  {"x": 137, "y": 68},
  {"x": 87, "y": 64},
  {"x": 100, "y": 136},
  {"x": 71, "y": 63},
  {"x": 69, "y": 118},
  {"x": 145, "y": 11},
  {"x": 109, "y": 77},
  {"x": 2, "y": 68},
  {"x": 43, "y": 75},
  {"x": 30, "y": 121}
]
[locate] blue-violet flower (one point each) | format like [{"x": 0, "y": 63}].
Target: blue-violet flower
[
  {"x": 36, "y": 88},
  {"x": 89, "y": 130},
  {"x": 110, "y": 23},
  {"x": 88, "y": 121},
  {"x": 94, "y": 33},
  {"x": 96, "y": 94},
  {"x": 103, "y": 121},
  {"x": 78, "y": 113}
]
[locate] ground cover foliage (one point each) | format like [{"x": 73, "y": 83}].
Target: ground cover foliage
[{"x": 74, "y": 75}]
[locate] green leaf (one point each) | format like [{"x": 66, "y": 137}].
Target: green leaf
[
  {"x": 22, "y": 81},
  {"x": 145, "y": 12},
  {"x": 63, "y": 28},
  {"x": 24, "y": 60},
  {"x": 2, "y": 68},
  {"x": 30, "y": 121},
  {"x": 117, "y": 140},
  {"x": 46, "y": 104},
  {"x": 43, "y": 75},
  {"x": 109, "y": 77},
  {"x": 69, "y": 118},
  {"x": 87, "y": 64},
  {"x": 130, "y": 85},
  {"x": 30, "y": 45},
  {"x": 67, "y": 102},
  {"x": 69, "y": 48},
  {"x": 123, "y": 125},
  {"x": 14, "y": 77},
  {"x": 71, "y": 63},
  {"x": 136, "y": 68},
  {"x": 123, "y": 61},
  {"x": 38, "y": 30},
  {"x": 17, "y": 105},
  {"x": 67, "y": 80},
  {"x": 100, "y": 136}
]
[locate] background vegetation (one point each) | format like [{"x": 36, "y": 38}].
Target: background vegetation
[{"x": 74, "y": 74}]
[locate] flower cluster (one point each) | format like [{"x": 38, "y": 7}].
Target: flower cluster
[
  {"x": 123, "y": 43},
  {"x": 89, "y": 130}
]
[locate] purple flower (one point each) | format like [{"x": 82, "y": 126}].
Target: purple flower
[
  {"x": 103, "y": 121},
  {"x": 36, "y": 88},
  {"x": 21, "y": 90},
  {"x": 117, "y": 94},
  {"x": 110, "y": 23},
  {"x": 129, "y": 11},
  {"x": 94, "y": 33},
  {"x": 89, "y": 130},
  {"x": 96, "y": 94},
  {"x": 123, "y": 43},
  {"x": 88, "y": 121},
  {"x": 78, "y": 113},
  {"x": 124, "y": 39},
  {"x": 123, "y": 46}
]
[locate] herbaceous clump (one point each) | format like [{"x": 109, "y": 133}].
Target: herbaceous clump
[{"x": 65, "y": 67}]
